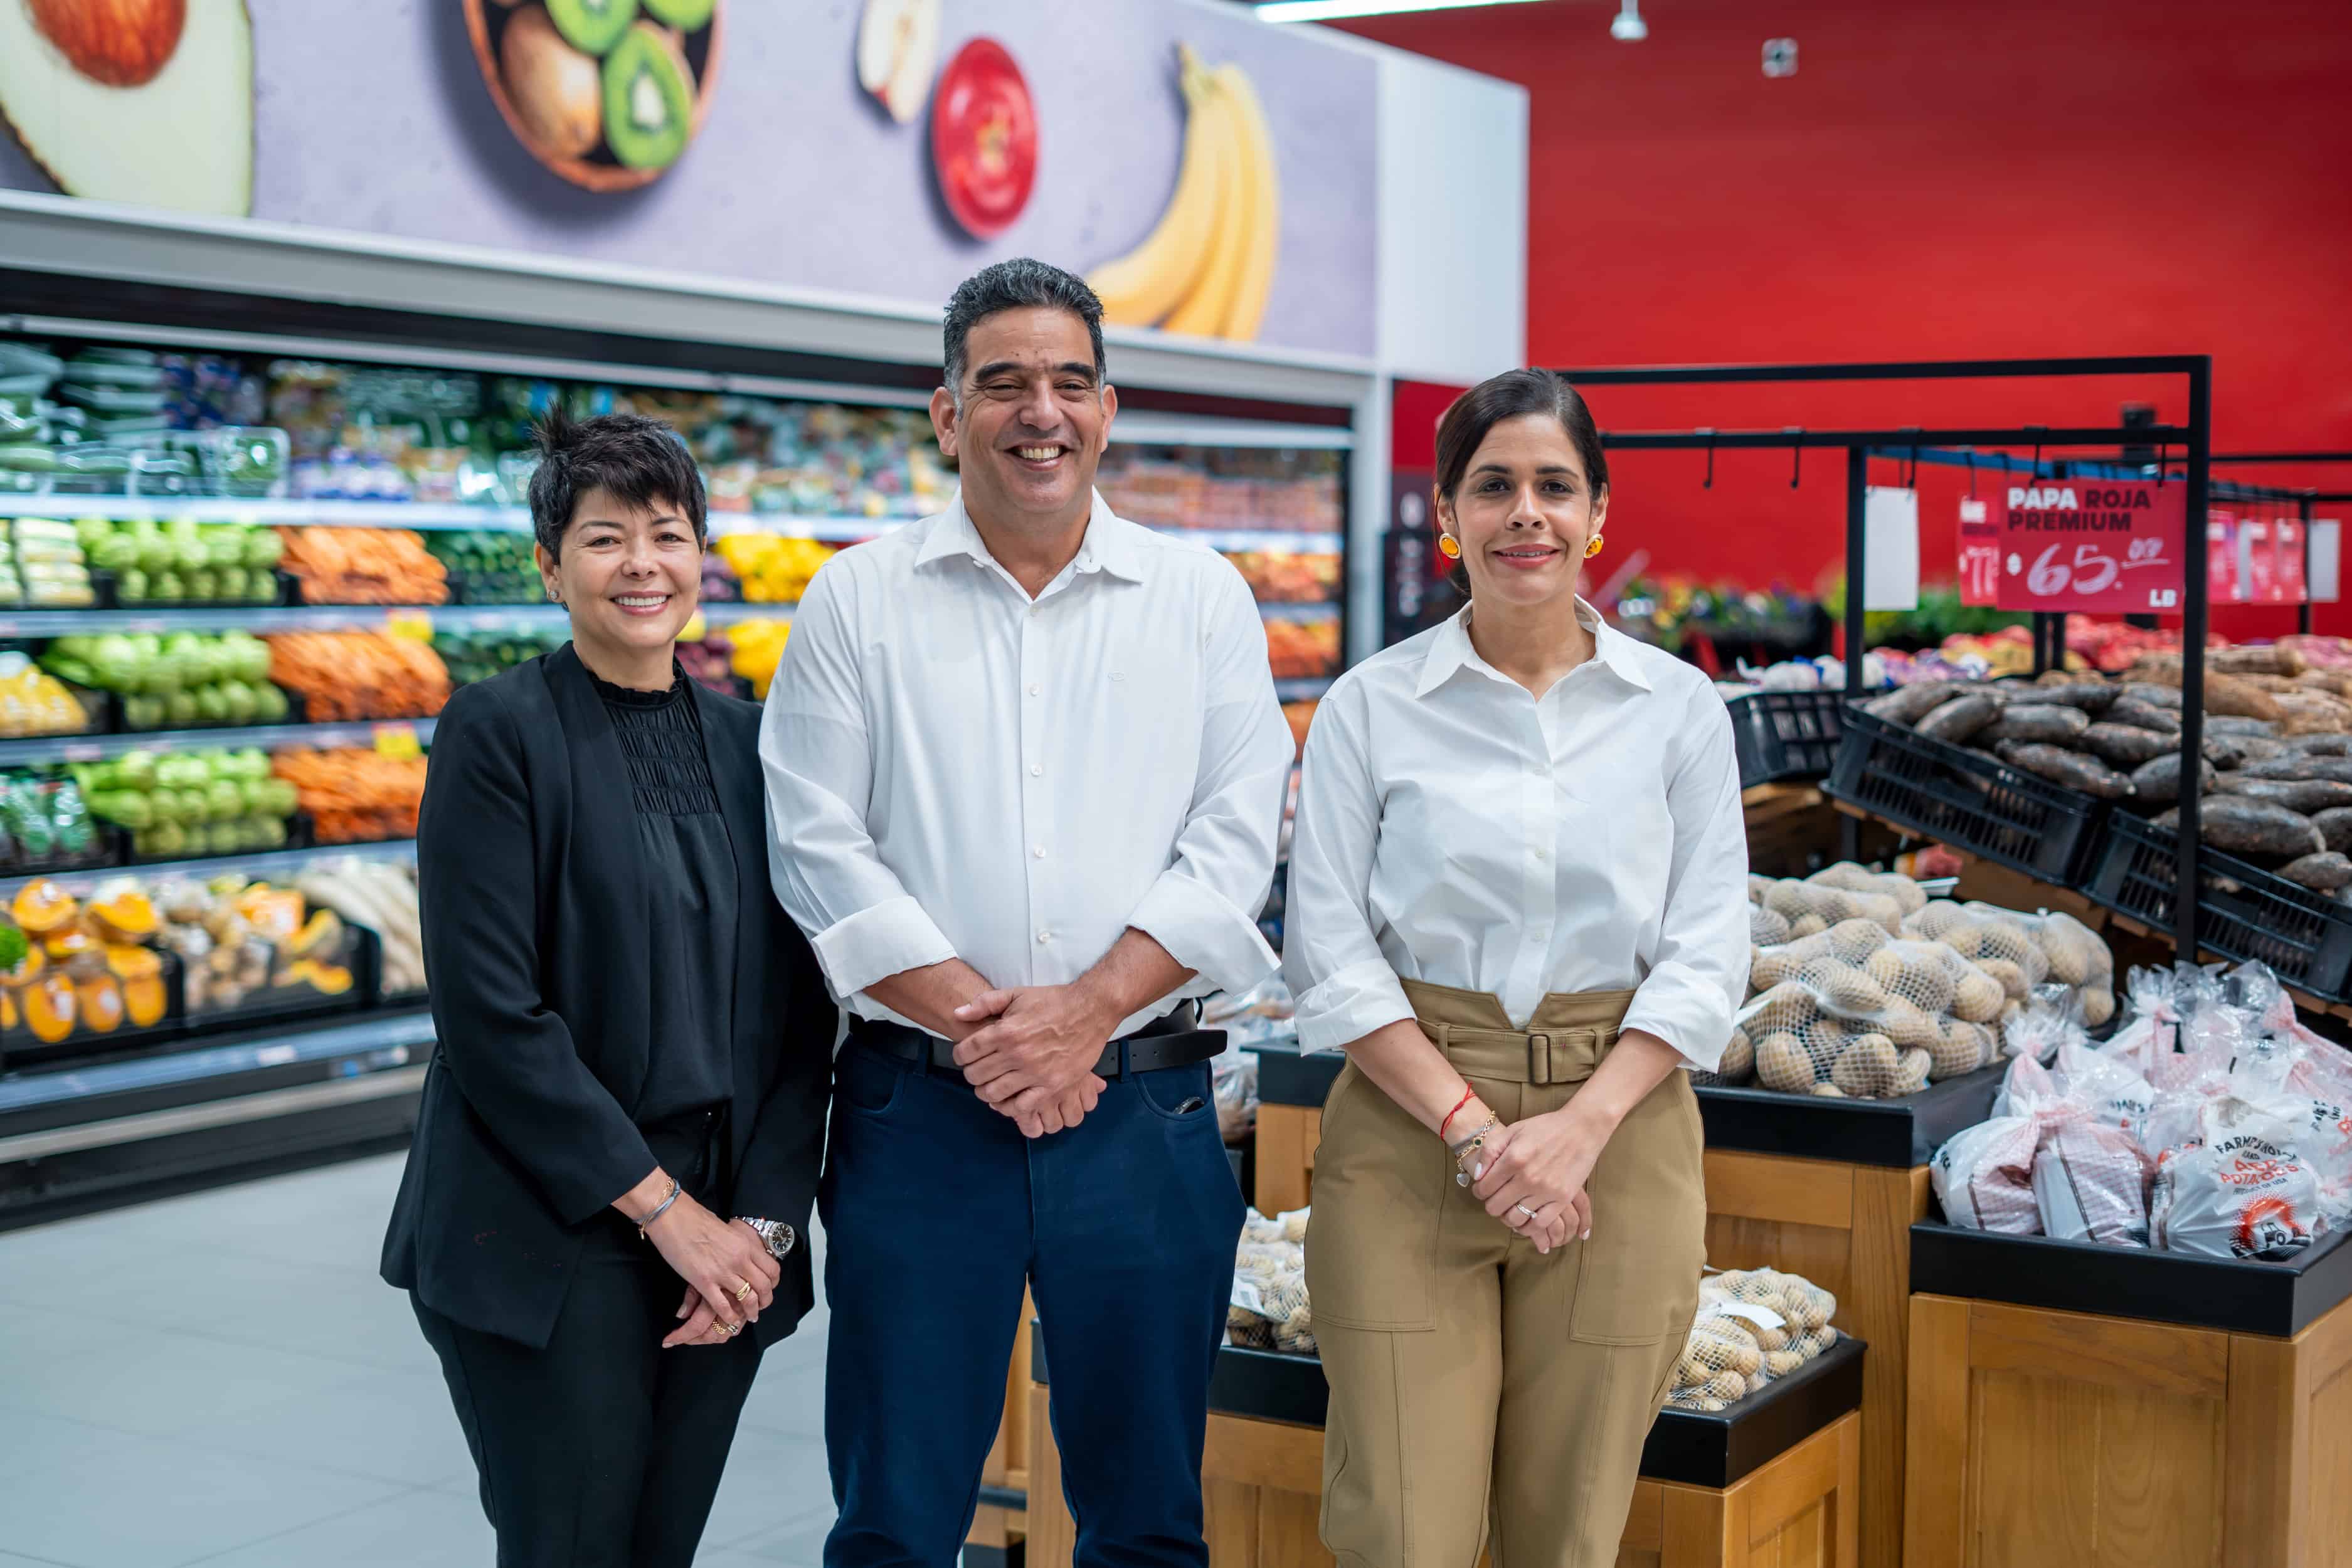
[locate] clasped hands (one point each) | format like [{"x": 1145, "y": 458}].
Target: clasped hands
[
  {"x": 731, "y": 1278},
  {"x": 1531, "y": 1174},
  {"x": 1032, "y": 1053}
]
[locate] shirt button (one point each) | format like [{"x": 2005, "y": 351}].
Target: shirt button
[
  {"x": 1044, "y": 937},
  {"x": 1036, "y": 771},
  {"x": 1039, "y": 852},
  {"x": 1034, "y": 688}
]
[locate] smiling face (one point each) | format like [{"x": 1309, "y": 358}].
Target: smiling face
[
  {"x": 1524, "y": 512},
  {"x": 630, "y": 575},
  {"x": 1034, "y": 418}
]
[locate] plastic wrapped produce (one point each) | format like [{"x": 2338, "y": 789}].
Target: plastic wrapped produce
[
  {"x": 1752, "y": 1326},
  {"x": 1269, "y": 1307},
  {"x": 2090, "y": 1183},
  {"x": 2235, "y": 1194},
  {"x": 1233, "y": 1075},
  {"x": 1869, "y": 1016},
  {"x": 1983, "y": 1175},
  {"x": 2115, "y": 1093}
]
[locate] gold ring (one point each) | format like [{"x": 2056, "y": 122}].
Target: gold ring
[
  {"x": 730, "y": 1330},
  {"x": 745, "y": 1292}
]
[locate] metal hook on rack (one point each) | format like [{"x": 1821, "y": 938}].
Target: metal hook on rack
[
  {"x": 2161, "y": 459},
  {"x": 1973, "y": 473},
  {"x": 1797, "y": 450},
  {"x": 1709, "y": 483},
  {"x": 1911, "y": 483}
]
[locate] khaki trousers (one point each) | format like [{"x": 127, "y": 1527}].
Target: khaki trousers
[{"x": 1478, "y": 1385}]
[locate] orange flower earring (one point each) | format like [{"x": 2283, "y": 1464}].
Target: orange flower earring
[
  {"x": 1592, "y": 547},
  {"x": 1448, "y": 548}
]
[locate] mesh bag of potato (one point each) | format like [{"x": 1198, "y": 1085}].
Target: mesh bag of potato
[
  {"x": 1268, "y": 1309},
  {"x": 1853, "y": 1013},
  {"x": 1752, "y": 1326},
  {"x": 2027, "y": 954},
  {"x": 1841, "y": 892}
]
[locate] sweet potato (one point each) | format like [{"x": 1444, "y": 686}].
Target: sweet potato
[
  {"x": 1909, "y": 704},
  {"x": 1957, "y": 720},
  {"x": 2323, "y": 873},
  {"x": 2335, "y": 826},
  {"x": 2158, "y": 779},
  {"x": 2049, "y": 723},
  {"x": 2092, "y": 697},
  {"x": 2060, "y": 766},
  {"x": 2124, "y": 745},
  {"x": 2144, "y": 715},
  {"x": 2244, "y": 825},
  {"x": 2305, "y": 796}
]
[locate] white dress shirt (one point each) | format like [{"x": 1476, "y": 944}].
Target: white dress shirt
[
  {"x": 1454, "y": 828},
  {"x": 956, "y": 772}
]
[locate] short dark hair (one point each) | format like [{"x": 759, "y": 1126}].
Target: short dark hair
[
  {"x": 1020, "y": 284},
  {"x": 1508, "y": 396},
  {"x": 639, "y": 459}
]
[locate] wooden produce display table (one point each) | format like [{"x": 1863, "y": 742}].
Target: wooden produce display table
[
  {"x": 2077, "y": 1405},
  {"x": 1828, "y": 1189},
  {"x": 996, "y": 1524},
  {"x": 1770, "y": 1481}
]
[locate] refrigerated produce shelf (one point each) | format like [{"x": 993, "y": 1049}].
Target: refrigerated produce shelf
[
  {"x": 295, "y": 512},
  {"x": 262, "y": 863},
  {"x": 33, "y": 752}
]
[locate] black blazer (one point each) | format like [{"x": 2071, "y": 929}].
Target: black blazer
[{"x": 534, "y": 907}]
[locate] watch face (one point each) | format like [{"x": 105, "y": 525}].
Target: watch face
[{"x": 780, "y": 1239}]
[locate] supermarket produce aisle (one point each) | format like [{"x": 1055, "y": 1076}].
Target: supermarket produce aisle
[{"x": 223, "y": 1379}]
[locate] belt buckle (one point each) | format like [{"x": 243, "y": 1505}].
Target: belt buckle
[{"x": 1540, "y": 1059}]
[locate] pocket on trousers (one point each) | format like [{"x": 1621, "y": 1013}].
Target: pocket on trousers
[
  {"x": 1169, "y": 1090},
  {"x": 1371, "y": 1251},
  {"x": 866, "y": 1082},
  {"x": 1637, "y": 1278}
]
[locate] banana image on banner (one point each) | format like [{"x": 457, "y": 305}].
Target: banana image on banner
[{"x": 1208, "y": 264}]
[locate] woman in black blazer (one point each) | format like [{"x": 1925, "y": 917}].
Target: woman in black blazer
[{"x": 601, "y": 1221}]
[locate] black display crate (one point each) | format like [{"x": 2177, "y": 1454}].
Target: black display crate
[
  {"x": 2242, "y": 910},
  {"x": 1899, "y": 1133},
  {"x": 1970, "y": 800},
  {"x": 1690, "y": 1448},
  {"x": 2236, "y": 1296},
  {"x": 1288, "y": 1075},
  {"x": 1785, "y": 735}
]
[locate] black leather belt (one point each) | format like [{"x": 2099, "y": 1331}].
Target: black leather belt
[{"x": 1173, "y": 1040}]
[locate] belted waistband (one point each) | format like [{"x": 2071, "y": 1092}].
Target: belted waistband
[{"x": 1563, "y": 1042}]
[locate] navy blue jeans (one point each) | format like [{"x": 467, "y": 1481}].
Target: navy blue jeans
[{"x": 937, "y": 1212}]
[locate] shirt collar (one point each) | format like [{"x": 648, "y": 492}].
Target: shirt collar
[
  {"x": 1110, "y": 545},
  {"x": 1452, "y": 652}
]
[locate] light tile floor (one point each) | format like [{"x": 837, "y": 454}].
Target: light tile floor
[{"x": 223, "y": 1379}]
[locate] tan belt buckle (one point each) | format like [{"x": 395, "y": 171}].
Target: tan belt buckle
[{"x": 1540, "y": 1058}]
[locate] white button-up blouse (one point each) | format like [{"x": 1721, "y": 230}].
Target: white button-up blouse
[{"x": 1456, "y": 829}]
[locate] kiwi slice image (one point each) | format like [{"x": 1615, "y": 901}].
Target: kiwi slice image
[
  {"x": 648, "y": 99},
  {"x": 592, "y": 26},
  {"x": 686, "y": 15}
]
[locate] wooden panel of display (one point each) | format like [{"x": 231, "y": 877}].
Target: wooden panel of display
[
  {"x": 1261, "y": 1483},
  {"x": 993, "y": 1528},
  {"x": 2040, "y": 1437},
  {"x": 1847, "y": 1229}
]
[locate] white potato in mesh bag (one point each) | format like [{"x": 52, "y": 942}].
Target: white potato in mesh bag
[{"x": 1869, "y": 1069}]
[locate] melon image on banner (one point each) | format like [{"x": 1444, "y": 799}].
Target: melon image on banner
[{"x": 148, "y": 102}]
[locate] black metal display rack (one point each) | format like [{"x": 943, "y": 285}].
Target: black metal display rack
[{"x": 2192, "y": 437}]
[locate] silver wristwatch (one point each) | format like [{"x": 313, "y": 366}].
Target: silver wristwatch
[{"x": 774, "y": 1234}]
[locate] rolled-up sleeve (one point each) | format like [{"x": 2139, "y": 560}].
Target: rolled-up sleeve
[
  {"x": 1203, "y": 908},
  {"x": 1343, "y": 983},
  {"x": 819, "y": 763},
  {"x": 1699, "y": 969}
]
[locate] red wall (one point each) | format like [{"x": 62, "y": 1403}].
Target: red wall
[{"x": 2006, "y": 177}]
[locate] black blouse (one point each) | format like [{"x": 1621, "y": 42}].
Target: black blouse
[{"x": 691, "y": 862}]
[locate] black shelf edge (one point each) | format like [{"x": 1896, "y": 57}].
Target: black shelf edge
[
  {"x": 1289, "y": 1076},
  {"x": 1896, "y": 1133},
  {"x": 2235, "y": 1296},
  {"x": 1690, "y": 1448}
]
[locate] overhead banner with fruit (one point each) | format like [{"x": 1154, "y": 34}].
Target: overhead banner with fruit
[{"x": 1214, "y": 175}]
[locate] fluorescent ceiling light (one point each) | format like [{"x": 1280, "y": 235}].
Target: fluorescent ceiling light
[{"x": 1326, "y": 10}]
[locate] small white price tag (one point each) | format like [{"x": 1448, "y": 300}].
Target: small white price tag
[
  {"x": 1246, "y": 1297},
  {"x": 1762, "y": 1317},
  {"x": 275, "y": 1056}
]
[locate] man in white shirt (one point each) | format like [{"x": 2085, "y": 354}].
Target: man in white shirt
[{"x": 1025, "y": 769}]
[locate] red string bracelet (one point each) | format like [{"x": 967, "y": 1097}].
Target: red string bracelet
[{"x": 1467, "y": 1095}]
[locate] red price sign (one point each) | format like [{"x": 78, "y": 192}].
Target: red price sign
[
  {"x": 2261, "y": 562},
  {"x": 2224, "y": 581},
  {"x": 2114, "y": 545},
  {"x": 2292, "y": 588}
]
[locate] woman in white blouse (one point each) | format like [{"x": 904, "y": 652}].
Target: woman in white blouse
[{"x": 1518, "y": 900}]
